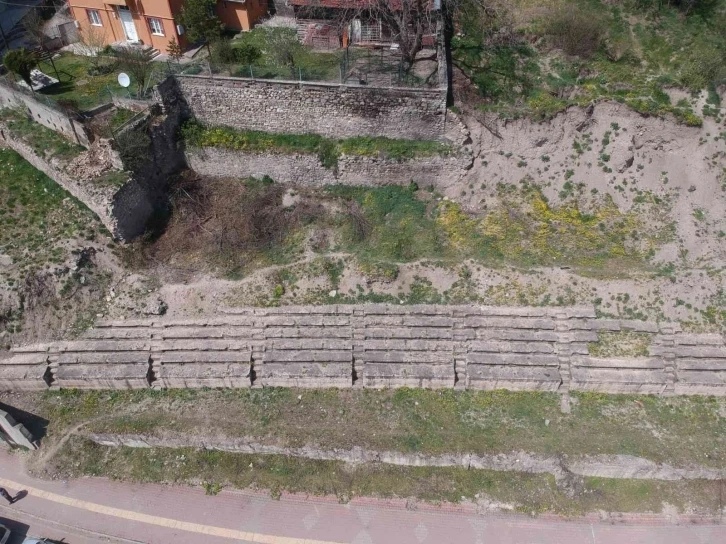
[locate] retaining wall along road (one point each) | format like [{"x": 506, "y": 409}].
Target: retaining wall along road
[{"x": 375, "y": 346}]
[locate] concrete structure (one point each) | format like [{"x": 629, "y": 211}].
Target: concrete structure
[
  {"x": 375, "y": 346},
  {"x": 15, "y": 433},
  {"x": 152, "y": 22}
]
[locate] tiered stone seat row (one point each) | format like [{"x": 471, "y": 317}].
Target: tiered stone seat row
[{"x": 373, "y": 346}]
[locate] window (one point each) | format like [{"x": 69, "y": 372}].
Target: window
[
  {"x": 156, "y": 26},
  {"x": 94, "y": 17}
]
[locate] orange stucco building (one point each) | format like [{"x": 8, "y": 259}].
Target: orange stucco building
[{"x": 151, "y": 22}]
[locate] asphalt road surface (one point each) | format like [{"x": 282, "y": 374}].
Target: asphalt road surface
[{"x": 97, "y": 510}]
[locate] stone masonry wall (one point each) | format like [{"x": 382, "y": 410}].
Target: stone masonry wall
[
  {"x": 336, "y": 111},
  {"x": 45, "y": 115},
  {"x": 123, "y": 211},
  {"x": 375, "y": 346},
  {"x": 306, "y": 170}
]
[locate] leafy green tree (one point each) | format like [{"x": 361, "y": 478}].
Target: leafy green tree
[
  {"x": 21, "y": 62},
  {"x": 199, "y": 19}
]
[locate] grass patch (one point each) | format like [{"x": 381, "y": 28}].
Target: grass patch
[
  {"x": 409, "y": 420},
  {"x": 120, "y": 117},
  {"x": 544, "y": 234},
  {"x": 78, "y": 89},
  {"x": 36, "y": 213},
  {"x": 307, "y": 64},
  {"x": 45, "y": 142},
  {"x": 401, "y": 226},
  {"x": 392, "y": 149},
  {"x": 197, "y": 135},
  {"x": 530, "y": 493},
  {"x": 621, "y": 344}
]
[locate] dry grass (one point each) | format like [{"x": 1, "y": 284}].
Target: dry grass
[{"x": 223, "y": 223}]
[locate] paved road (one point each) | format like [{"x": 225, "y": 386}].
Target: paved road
[{"x": 156, "y": 514}]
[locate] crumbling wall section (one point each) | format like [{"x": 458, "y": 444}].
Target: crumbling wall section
[
  {"x": 47, "y": 116},
  {"x": 122, "y": 210}
]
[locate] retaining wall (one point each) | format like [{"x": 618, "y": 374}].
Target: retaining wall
[
  {"x": 306, "y": 169},
  {"x": 375, "y": 346},
  {"x": 123, "y": 211},
  {"x": 333, "y": 110},
  {"x": 45, "y": 115}
]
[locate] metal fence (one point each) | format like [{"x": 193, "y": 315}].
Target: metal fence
[{"x": 382, "y": 67}]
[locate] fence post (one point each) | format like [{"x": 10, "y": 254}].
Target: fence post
[{"x": 252, "y": 74}]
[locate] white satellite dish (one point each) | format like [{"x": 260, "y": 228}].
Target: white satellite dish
[{"x": 124, "y": 80}]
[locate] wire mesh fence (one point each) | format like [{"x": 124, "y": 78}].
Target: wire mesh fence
[
  {"x": 81, "y": 94},
  {"x": 379, "y": 67}
]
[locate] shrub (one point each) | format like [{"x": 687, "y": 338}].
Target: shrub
[
  {"x": 328, "y": 153},
  {"x": 247, "y": 53},
  {"x": 134, "y": 148},
  {"x": 575, "y": 31},
  {"x": 21, "y": 62},
  {"x": 223, "y": 52},
  {"x": 174, "y": 50}
]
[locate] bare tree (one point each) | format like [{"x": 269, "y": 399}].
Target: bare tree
[
  {"x": 408, "y": 21},
  {"x": 35, "y": 27},
  {"x": 138, "y": 63},
  {"x": 91, "y": 43}
]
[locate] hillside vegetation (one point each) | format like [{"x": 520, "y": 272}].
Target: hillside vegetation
[{"x": 535, "y": 57}]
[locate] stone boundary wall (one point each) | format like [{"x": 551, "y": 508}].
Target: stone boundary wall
[
  {"x": 306, "y": 169},
  {"x": 332, "y": 110},
  {"x": 45, "y": 115},
  {"x": 375, "y": 346},
  {"x": 123, "y": 211},
  {"x": 598, "y": 466}
]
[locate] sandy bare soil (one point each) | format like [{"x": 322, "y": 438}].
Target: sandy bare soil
[
  {"x": 667, "y": 180},
  {"x": 670, "y": 178}
]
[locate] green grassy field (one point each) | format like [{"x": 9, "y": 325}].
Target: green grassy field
[
  {"x": 36, "y": 214},
  {"x": 408, "y": 420},
  {"x": 77, "y": 88},
  {"x": 527, "y": 493},
  {"x": 307, "y": 64},
  {"x": 405, "y": 420},
  {"x": 44, "y": 141}
]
